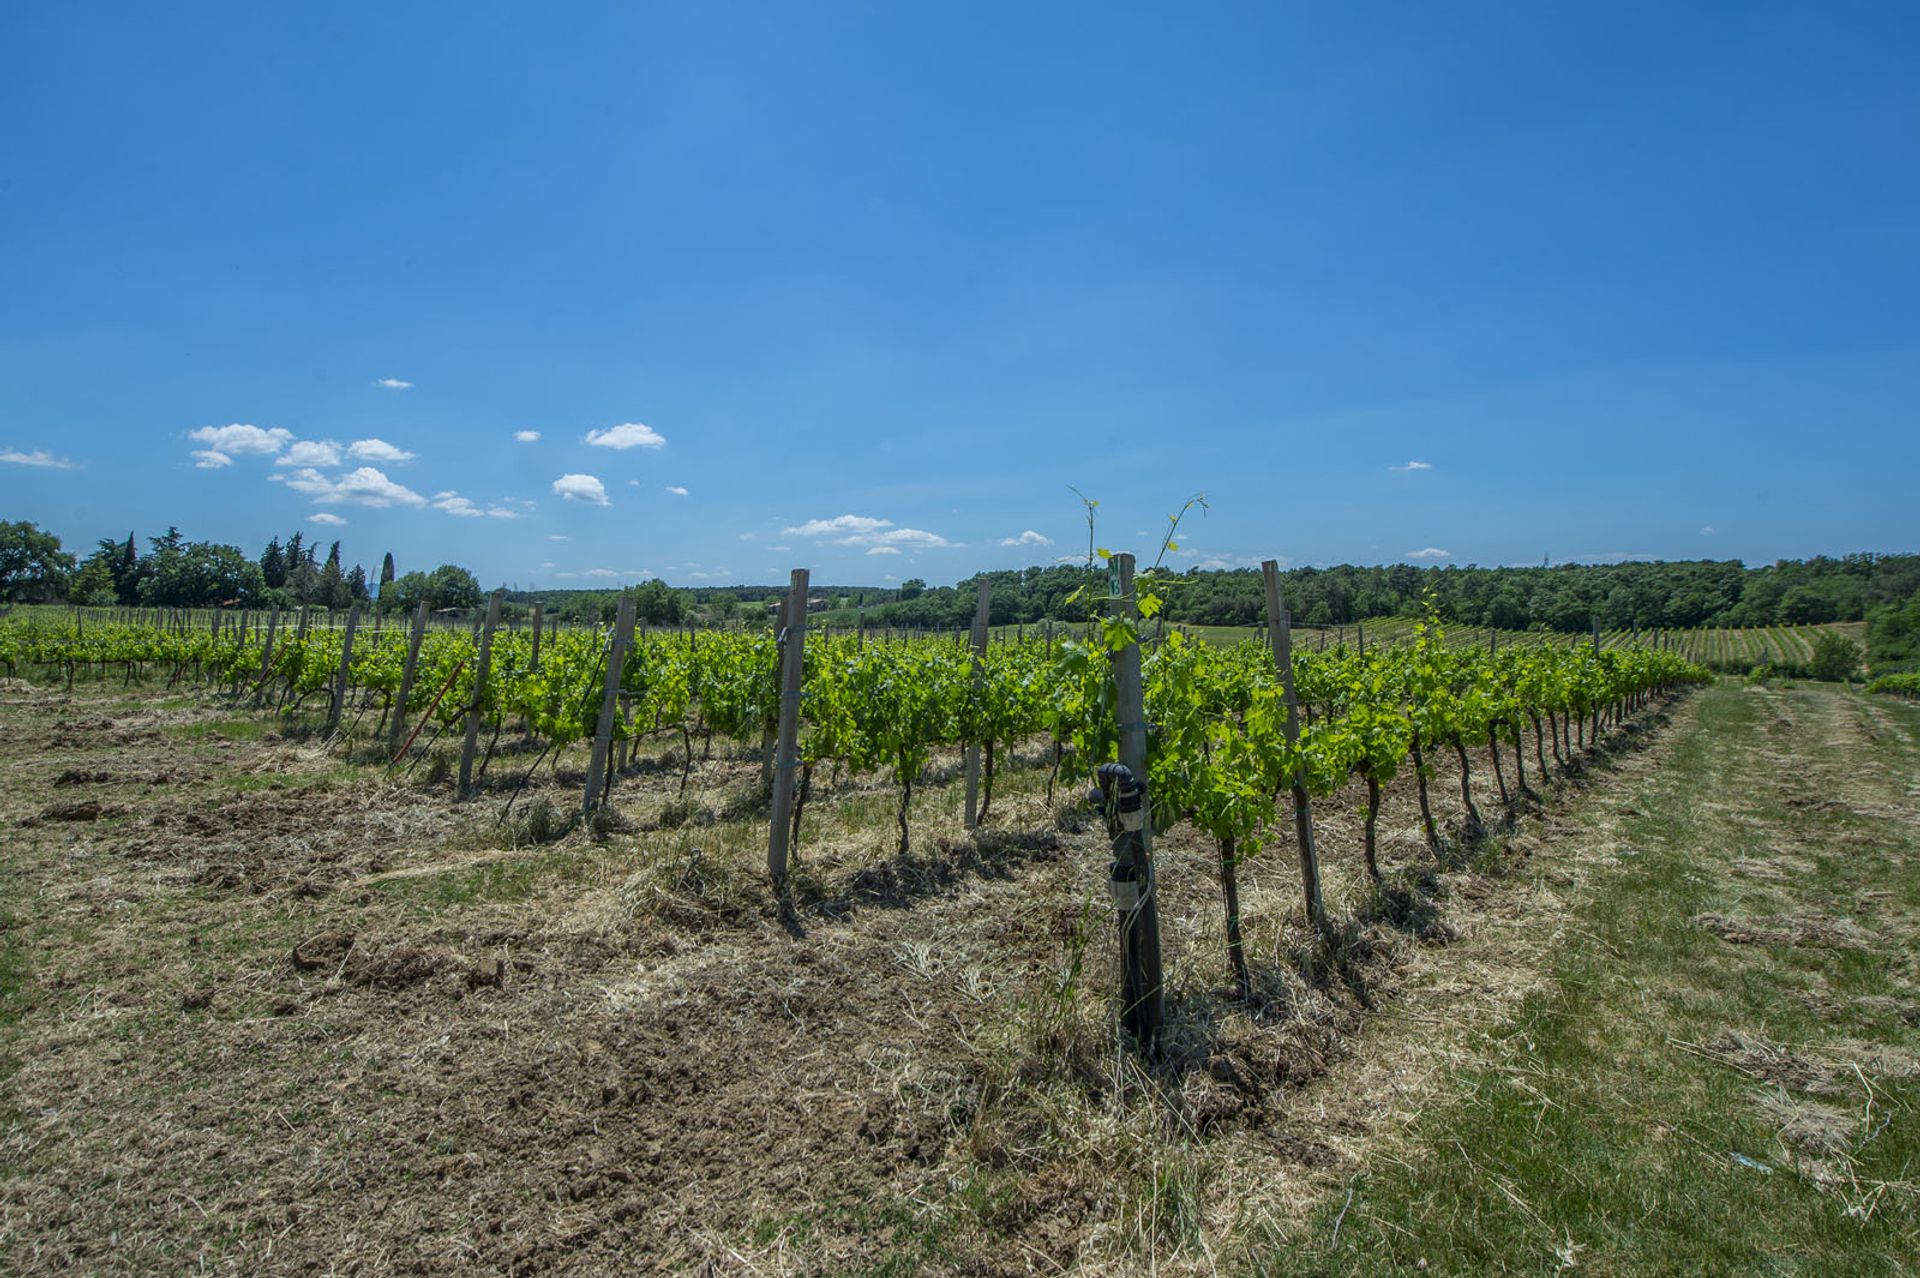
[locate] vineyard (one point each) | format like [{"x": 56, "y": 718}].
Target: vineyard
[
  {"x": 1192, "y": 732},
  {"x": 1221, "y": 737},
  {"x": 775, "y": 950},
  {"x": 1897, "y": 685},
  {"x": 1728, "y": 651}
]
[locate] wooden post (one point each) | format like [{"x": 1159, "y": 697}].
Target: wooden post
[
  {"x": 786, "y": 757},
  {"x": 482, "y": 664},
  {"x": 340, "y": 676},
  {"x": 539, "y": 613},
  {"x": 618, "y": 642},
  {"x": 266, "y": 653},
  {"x": 1596, "y": 634},
  {"x": 1280, "y": 627},
  {"x": 406, "y": 678},
  {"x": 1142, "y": 984},
  {"x": 981, "y": 613}
]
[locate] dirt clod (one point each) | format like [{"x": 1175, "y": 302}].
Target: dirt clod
[
  {"x": 323, "y": 949},
  {"x": 83, "y": 810}
]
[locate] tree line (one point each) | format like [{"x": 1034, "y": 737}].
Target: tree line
[
  {"x": 177, "y": 573},
  {"x": 1565, "y": 597},
  {"x": 1882, "y": 590}
]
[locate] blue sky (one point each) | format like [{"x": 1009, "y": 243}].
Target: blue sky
[{"x": 867, "y": 287}]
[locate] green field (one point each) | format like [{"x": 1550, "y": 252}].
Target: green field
[
  {"x": 1722, "y": 648},
  {"x": 1720, "y": 1072}
]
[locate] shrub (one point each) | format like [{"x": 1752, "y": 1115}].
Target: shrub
[{"x": 1835, "y": 658}]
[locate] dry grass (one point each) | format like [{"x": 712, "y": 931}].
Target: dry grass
[{"x": 279, "y": 1014}]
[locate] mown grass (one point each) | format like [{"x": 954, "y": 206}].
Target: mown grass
[
  {"x": 513, "y": 878},
  {"x": 1606, "y": 1128},
  {"x": 233, "y": 728},
  {"x": 13, "y": 990}
]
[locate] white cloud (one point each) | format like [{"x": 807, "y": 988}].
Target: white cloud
[
  {"x": 242, "y": 438},
  {"x": 632, "y": 574},
  {"x": 557, "y": 537},
  {"x": 838, "y": 524},
  {"x": 38, "y": 457},
  {"x": 368, "y": 486},
  {"x": 454, "y": 504},
  {"x": 210, "y": 459},
  {"x": 323, "y": 517},
  {"x": 1708, "y": 531},
  {"x": 581, "y": 488},
  {"x": 363, "y": 487},
  {"x": 311, "y": 452},
  {"x": 1413, "y": 465},
  {"x": 1027, "y": 538},
  {"x": 627, "y": 435},
  {"x": 918, "y": 538},
  {"x": 378, "y": 450},
  {"x": 1430, "y": 552},
  {"x": 865, "y": 530},
  {"x": 393, "y": 383},
  {"x": 676, "y": 490},
  {"x": 527, "y": 436},
  {"x": 884, "y": 550}
]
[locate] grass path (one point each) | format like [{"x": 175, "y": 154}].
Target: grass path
[{"x": 1723, "y": 1073}]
